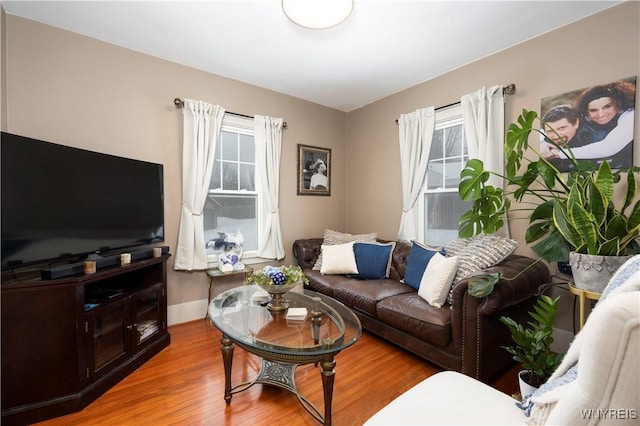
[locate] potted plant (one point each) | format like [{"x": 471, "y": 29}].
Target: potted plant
[
  {"x": 532, "y": 343},
  {"x": 589, "y": 210}
]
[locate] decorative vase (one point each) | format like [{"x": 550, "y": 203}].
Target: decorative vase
[
  {"x": 277, "y": 303},
  {"x": 525, "y": 388},
  {"x": 593, "y": 273}
]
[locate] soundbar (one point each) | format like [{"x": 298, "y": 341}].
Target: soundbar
[
  {"x": 62, "y": 271},
  {"x": 101, "y": 262}
]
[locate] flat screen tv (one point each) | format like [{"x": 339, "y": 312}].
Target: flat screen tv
[{"x": 60, "y": 204}]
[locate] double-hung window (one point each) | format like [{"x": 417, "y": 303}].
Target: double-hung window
[
  {"x": 232, "y": 203},
  {"x": 441, "y": 206}
]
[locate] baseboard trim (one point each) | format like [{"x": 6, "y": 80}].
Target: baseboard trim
[{"x": 185, "y": 312}]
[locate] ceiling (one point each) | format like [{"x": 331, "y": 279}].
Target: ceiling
[{"x": 384, "y": 47}]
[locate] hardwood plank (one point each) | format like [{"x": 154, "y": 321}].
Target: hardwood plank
[{"x": 184, "y": 384}]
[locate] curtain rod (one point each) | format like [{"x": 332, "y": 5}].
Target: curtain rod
[
  {"x": 179, "y": 103},
  {"x": 509, "y": 89}
]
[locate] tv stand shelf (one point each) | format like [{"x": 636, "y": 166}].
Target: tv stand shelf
[{"x": 58, "y": 355}]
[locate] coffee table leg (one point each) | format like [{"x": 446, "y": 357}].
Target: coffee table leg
[
  {"x": 227, "y": 360},
  {"x": 328, "y": 376}
]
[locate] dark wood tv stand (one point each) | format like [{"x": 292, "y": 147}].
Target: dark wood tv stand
[{"x": 60, "y": 352}]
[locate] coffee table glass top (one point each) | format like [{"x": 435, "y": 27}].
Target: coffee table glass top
[{"x": 327, "y": 327}]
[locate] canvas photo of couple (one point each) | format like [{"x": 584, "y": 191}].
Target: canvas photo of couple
[{"x": 596, "y": 123}]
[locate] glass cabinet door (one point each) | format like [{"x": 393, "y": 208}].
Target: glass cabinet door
[
  {"x": 148, "y": 320},
  {"x": 107, "y": 331}
]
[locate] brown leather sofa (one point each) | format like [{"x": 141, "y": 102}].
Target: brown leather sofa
[{"x": 466, "y": 337}]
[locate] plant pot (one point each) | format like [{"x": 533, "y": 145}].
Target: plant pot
[
  {"x": 593, "y": 273},
  {"x": 525, "y": 388}
]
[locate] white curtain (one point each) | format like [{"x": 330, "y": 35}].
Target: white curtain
[
  {"x": 268, "y": 138},
  {"x": 416, "y": 133},
  {"x": 202, "y": 123},
  {"x": 483, "y": 115}
]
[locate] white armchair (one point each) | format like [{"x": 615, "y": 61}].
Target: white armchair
[{"x": 606, "y": 389}]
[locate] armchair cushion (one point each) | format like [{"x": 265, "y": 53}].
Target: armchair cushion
[{"x": 450, "y": 398}]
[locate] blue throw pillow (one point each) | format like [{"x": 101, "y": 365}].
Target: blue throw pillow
[
  {"x": 419, "y": 257},
  {"x": 373, "y": 260}
]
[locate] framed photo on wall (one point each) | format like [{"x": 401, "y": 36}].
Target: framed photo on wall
[
  {"x": 596, "y": 122},
  {"x": 314, "y": 170}
]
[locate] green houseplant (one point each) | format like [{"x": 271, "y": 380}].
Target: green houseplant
[
  {"x": 588, "y": 210},
  {"x": 532, "y": 341}
]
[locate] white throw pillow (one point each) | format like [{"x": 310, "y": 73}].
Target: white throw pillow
[
  {"x": 338, "y": 259},
  {"x": 437, "y": 279},
  {"x": 334, "y": 237}
]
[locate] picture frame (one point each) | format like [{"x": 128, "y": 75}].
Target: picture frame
[
  {"x": 596, "y": 122},
  {"x": 314, "y": 170}
]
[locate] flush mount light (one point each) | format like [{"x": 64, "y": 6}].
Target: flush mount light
[{"x": 317, "y": 14}]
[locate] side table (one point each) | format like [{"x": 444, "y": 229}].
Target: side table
[
  {"x": 214, "y": 273},
  {"x": 583, "y": 295}
]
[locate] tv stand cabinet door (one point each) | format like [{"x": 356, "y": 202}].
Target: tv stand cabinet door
[
  {"x": 107, "y": 338},
  {"x": 39, "y": 344}
]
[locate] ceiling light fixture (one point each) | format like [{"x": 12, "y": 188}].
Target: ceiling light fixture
[{"x": 317, "y": 14}]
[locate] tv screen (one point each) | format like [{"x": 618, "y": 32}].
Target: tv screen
[{"x": 63, "y": 203}]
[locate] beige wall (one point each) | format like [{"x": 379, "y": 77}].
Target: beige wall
[
  {"x": 595, "y": 50},
  {"x": 74, "y": 90}
]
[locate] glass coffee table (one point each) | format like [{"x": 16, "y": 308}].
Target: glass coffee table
[{"x": 327, "y": 328}]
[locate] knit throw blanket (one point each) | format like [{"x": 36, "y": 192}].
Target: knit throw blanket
[{"x": 627, "y": 278}]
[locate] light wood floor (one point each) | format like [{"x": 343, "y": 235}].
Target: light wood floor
[{"x": 184, "y": 385}]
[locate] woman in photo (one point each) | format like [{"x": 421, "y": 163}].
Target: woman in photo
[{"x": 319, "y": 179}]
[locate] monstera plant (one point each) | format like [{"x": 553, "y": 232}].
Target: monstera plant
[{"x": 590, "y": 209}]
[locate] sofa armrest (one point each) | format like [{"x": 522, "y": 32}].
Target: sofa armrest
[
  {"x": 509, "y": 292},
  {"x": 306, "y": 251}
]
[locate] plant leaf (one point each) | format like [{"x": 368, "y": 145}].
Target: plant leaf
[
  {"x": 482, "y": 285},
  {"x": 553, "y": 248},
  {"x": 604, "y": 180}
]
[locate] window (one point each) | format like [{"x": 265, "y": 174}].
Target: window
[
  {"x": 441, "y": 206},
  {"x": 232, "y": 204}
]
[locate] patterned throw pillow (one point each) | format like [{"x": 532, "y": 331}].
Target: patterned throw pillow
[
  {"x": 477, "y": 253},
  {"x": 335, "y": 237}
]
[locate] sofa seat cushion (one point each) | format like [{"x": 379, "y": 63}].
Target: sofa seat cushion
[
  {"x": 413, "y": 315},
  {"x": 322, "y": 283},
  {"x": 364, "y": 295}
]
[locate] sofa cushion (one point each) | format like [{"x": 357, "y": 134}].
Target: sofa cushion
[
  {"x": 399, "y": 259},
  {"x": 413, "y": 315},
  {"x": 322, "y": 283},
  {"x": 334, "y": 237},
  {"x": 419, "y": 258},
  {"x": 338, "y": 259},
  {"x": 373, "y": 260},
  {"x": 437, "y": 279},
  {"x": 364, "y": 295}
]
